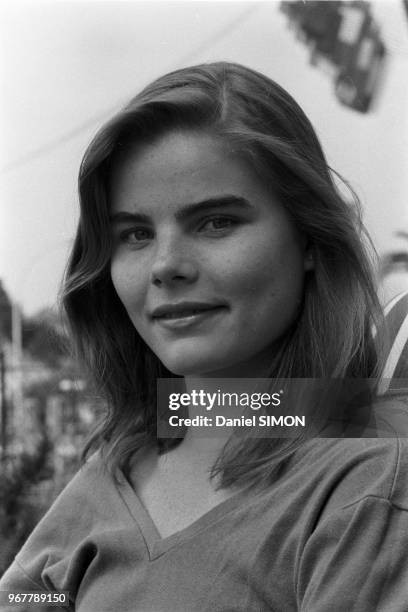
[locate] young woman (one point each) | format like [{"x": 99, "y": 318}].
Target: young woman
[{"x": 212, "y": 244}]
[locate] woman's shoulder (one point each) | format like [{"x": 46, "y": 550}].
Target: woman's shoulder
[
  {"x": 92, "y": 478},
  {"x": 92, "y": 489},
  {"x": 350, "y": 470},
  {"x": 356, "y": 545},
  {"x": 88, "y": 507},
  {"x": 91, "y": 497}
]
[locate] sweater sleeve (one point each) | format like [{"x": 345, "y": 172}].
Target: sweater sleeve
[
  {"x": 63, "y": 546},
  {"x": 16, "y": 580},
  {"x": 357, "y": 560}
]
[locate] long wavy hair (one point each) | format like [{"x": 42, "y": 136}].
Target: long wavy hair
[{"x": 332, "y": 335}]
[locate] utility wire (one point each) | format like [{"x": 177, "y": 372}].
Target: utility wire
[
  {"x": 53, "y": 144},
  {"x": 93, "y": 121}
]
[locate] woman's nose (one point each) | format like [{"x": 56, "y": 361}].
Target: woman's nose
[{"x": 173, "y": 264}]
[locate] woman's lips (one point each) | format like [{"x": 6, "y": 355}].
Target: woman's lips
[{"x": 187, "y": 318}]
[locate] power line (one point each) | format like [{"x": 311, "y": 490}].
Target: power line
[
  {"x": 93, "y": 121},
  {"x": 53, "y": 144}
]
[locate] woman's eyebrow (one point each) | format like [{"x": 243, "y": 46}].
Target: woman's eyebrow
[
  {"x": 209, "y": 203},
  {"x": 186, "y": 211},
  {"x": 127, "y": 217}
]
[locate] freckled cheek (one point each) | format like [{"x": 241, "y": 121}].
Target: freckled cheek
[
  {"x": 267, "y": 271},
  {"x": 129, "y": 285},
  {"x": 249, "y": 269}
]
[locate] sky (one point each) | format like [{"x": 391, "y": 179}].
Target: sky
[{"x": 65, "y": 67}]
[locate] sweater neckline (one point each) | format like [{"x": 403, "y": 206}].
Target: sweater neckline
[{"x": 156, "y": 544}]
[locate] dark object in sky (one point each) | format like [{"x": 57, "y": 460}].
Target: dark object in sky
[{"x": 346, "y": 35}]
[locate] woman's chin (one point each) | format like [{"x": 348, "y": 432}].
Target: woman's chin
[
  {"x": 210, "y": 368},
  {"x": 188, "y": 369},
  {"x": 192, "y": 365}
]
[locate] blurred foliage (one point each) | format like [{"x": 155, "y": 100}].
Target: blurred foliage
[
  {"x": 41, "y": 444},
  {"x": 18, "y": 512},
  {"x": 44, "y": 338},
  {"x": 5, "y": 314},
  {"x": 43, "y": 335}
]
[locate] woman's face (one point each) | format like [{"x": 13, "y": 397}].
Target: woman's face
[{"x": 206, "y": 261}]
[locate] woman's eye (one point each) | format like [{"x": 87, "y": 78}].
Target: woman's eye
[
  {"x": 218, "y": 224},
  {"x": 136, "y": 236}
]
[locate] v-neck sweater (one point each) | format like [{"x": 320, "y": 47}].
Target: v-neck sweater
[{"x": 330, "y": 533}]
